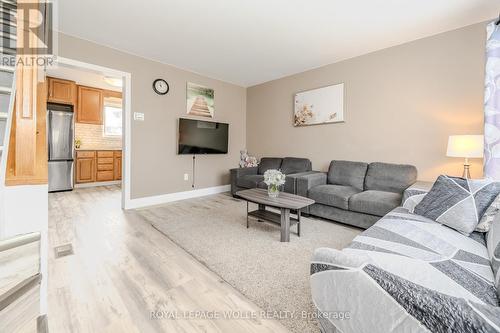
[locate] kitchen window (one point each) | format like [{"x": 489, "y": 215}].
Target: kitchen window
[{"x": 112, "y": 117}]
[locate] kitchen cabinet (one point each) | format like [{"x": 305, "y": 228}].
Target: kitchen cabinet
[
  {"x": 118, "y": 165},
  {"x": 85, "y": 167},
  {"x": 90, "y": 105},
  {"x": 105, "y": 166},
  {"x": 61, "y": 91},
  {"x": 98, "y": 166}
]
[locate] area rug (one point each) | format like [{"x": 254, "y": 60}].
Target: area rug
[{"x": 274, "y": 275}]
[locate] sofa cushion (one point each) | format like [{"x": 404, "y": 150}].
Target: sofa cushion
[
  {"x": 333, "y": 195},
  {"x": 489, "y": 216},
  {"x": 457, "y": 202},
  {"x": 249, "y": 181},
  {"x": 493, "y": 246},
  {"x": 291, "y": 165},
  {"x": 374, "y": 202},
  {"x": 267, "y": 163},
  {"x": 347, "y": 173},
  {"x": 390, "y": 177},
  {"x": 264, "y": 185}
]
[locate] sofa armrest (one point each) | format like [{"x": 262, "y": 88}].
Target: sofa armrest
[
  {"x": 415, "y": 193},
  {"x": 291, "y": 180},
  {"x": 334, "y": 257},
  {"x": 305, "y": 183},
  {"x": 238, "y": 172}
]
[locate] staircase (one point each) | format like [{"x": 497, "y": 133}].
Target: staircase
[
  {"x": 7, "y": 92},
  {"x": 8, "y": 40},
  {"x": 8, "y": 29},
  {"x": 21, "y": 267},
  {"x": 6, "y": 105}
]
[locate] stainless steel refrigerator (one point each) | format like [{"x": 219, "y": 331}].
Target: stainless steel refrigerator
[{"x": 60, "y": 132}]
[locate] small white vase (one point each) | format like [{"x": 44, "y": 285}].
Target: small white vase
[{"x": 273, "y": 191}]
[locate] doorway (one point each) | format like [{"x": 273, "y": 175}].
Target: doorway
[{"x": 102, "y": 127}]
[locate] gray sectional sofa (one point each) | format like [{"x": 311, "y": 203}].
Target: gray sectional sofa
[
  {"x": 356, "y": 193},
  {"x": 292, "y": 167},
  {"x": 408, "y": 273}
]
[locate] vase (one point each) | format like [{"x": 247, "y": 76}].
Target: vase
[{"x": 273, "y": 191}]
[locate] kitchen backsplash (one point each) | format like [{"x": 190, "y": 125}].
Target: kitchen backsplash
[{"x": 92, "y": 138}]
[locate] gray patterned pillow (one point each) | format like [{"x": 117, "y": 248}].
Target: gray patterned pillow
[
  {"x": 489, "y": 215},
  {"x": 457, "y": 202},
  {"x": 493, "y": 245}
]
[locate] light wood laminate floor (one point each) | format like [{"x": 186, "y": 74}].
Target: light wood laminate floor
[{"x": 122, "y": 269}]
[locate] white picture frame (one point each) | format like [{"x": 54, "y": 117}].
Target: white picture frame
[{"x": 319, "y": 106}]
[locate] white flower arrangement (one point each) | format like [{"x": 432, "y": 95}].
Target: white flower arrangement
[{"x": 274, "y": 177}]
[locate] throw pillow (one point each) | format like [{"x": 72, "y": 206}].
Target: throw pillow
[
  {"x": 489, "y": 215},
  {"x": 493, "y": 246},
  {"x": 457, "y": 202}
]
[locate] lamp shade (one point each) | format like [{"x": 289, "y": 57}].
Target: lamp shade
[{"x": 468, "y": 146}]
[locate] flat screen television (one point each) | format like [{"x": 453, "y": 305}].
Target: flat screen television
[{"x": 202, "y": 137}]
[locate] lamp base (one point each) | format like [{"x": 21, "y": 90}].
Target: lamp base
[{"x": 466, "y": 173}]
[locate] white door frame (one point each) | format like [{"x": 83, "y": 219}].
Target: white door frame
[{"x": 127, "y": 118}]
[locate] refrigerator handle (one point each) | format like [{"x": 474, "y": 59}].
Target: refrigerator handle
[{"x": 49, "y": 132}]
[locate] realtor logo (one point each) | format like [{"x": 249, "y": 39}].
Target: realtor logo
[{"x": 27, "y": 31}]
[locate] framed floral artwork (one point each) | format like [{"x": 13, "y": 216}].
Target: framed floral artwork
[{"x": 319, "y": 106}]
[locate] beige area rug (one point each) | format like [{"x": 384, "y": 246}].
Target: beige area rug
[{"x": 272, "y": 274}]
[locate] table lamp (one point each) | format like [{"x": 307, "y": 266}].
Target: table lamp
[{"x": 466, "y": 146}]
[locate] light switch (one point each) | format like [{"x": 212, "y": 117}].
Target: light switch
[
  {"x": 139, "y": 116},
  {"x": 186, "y": 176}
]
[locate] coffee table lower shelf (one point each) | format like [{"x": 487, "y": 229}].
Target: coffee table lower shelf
[
  {"x": 270, "y": 216},
  {"x": 284, "y": 220}
]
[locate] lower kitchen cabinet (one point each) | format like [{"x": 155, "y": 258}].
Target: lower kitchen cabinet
[
  {"x": 98, "y": 166},
  {"x": 118, "y": 165},
  {"x": 105, "y": 166},
  {"x": 85, "y": 167}
]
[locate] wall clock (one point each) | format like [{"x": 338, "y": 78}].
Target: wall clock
[{"x": 161, "y": 87}]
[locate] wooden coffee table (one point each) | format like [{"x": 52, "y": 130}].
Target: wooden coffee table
[{"x": 285, "y": 202}]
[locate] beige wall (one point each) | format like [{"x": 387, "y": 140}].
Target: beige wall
[
  {"x": 156, "y": 168},
  {"x": 401, "y": 104}
]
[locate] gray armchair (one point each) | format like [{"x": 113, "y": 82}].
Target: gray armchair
[
  {"x": 292, "y": 167},
  {"x": 242, "y": 178}
]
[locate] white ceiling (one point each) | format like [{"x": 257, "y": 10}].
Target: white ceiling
[
  {"x": 81, "y": 77},
  {"x": 253, "y": 41}
]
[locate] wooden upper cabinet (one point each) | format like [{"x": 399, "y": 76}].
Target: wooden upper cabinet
[
  {"x": 61, "y": 91},
  {"x": 90, "y": 105}
]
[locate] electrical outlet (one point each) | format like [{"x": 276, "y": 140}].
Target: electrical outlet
[{"x": 186, "y": 176}]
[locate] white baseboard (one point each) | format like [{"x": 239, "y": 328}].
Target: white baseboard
[
  {"x": 113, "y": 182},
  {"x": 164, "y": 198}
]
